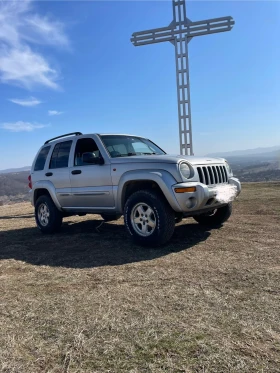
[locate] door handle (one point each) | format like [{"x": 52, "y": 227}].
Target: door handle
[
  {"x": 49, "y": 174},
  {"x": 76, "y": 172}
]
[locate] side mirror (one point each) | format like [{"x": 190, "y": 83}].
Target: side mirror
[{"x": 90, "y": 158}]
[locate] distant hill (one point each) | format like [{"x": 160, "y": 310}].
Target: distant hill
[
  {"x": 14, "y": 187},
  {"x": 9, "y": 170},
  {"x": 257, "y": 173},
  {"x": 253, "y": 161},
  {"x": 273, "y": 151}
]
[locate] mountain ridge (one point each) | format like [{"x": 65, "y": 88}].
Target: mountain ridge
[
  {"x": 14, "y": 170},
  {"x": 273, "y": 150}
]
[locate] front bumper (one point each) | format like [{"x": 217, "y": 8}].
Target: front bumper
[{"x": 206, "y": 196}]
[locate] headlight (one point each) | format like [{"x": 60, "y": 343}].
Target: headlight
[
  {"x": 229, "y": 170},
  {"x": 185, "y": 170}
]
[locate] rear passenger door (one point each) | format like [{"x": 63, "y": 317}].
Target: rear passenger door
[{"x": 58, "y": 172}]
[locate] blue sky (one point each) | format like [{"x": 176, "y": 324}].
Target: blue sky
[{"x": 70, "y": 66}]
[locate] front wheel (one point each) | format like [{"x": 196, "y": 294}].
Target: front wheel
[
  {"x": 148, "y": 218},
  {"x": 215, "y": 217},
  {"x": 48, "y": 217}
]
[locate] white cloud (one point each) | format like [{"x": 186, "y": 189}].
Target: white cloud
[
  {"x": 22, "y": 126},
  {"x": 20, "y": 29},
  {"x": 54, "y": 112},
  {"x": 23, "y": 67},
  {"x": 32, "y": 101},
  {"x": 46, "y": 30}
]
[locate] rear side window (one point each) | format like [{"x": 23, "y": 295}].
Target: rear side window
[
  {"x": 60, "y": 155},
  {"x": 41, "y": 159}
]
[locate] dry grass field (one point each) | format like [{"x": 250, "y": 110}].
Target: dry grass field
[{"x": 83, "y": 301}]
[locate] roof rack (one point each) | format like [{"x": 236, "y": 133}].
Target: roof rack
[{"x": 67, "y": 134}]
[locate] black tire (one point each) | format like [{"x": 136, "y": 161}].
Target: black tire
[
  {"x": 216, "y": 217},
  {"x": 162, "y": 217},
  {"x": 53, "y": 222}
]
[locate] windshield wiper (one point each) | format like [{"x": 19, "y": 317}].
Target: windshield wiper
[
  {"x": 124, "y": 155},
  {"x": 132, "y": 154}
]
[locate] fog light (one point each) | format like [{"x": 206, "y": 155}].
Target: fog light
[
  {"x": 185, "y": 190},
  {"x": 191, "y": 202}
]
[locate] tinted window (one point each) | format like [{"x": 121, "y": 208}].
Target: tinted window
[
  {"x": 60, "y": 155},
  {"x": 41, "y": 159},
  {"x": 85, "y": 146}
]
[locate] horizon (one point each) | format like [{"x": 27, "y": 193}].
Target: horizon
[
  {"x": 66, "y": 65},
  {"x": 276, "y": 148}
]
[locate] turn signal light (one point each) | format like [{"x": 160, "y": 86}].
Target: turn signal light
[{"x": 185, "y": 190}]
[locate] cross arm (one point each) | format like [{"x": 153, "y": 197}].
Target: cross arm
[{"x": 169, "y": 33}]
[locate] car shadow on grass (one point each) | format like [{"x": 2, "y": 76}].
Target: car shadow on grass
[
  {"x": 80, "y": 245},
  {"x": 25, "y": 216}
]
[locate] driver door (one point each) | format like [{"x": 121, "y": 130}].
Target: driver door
[{"x": 91, "y": 183}]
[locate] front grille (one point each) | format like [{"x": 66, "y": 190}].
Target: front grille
[{"x": 212, "y": 174}]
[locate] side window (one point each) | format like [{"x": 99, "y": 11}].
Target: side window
[
  {"x": 41, "y": 159},
  {"x": 60, "y": 155},
  {"x": 87, "y": 145}
]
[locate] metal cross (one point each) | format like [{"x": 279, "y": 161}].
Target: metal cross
[{"x": 180, "y": 31}]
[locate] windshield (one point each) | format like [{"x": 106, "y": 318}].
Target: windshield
[{"x": 125, "y": 146}]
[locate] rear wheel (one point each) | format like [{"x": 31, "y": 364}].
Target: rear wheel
[
  {"x": 215, "y": 217},
  {"x": 47, "y": 216},
  {"x": 148, "y": 218}
]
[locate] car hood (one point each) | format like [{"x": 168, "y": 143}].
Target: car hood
[{"x": 166, "y": 158}]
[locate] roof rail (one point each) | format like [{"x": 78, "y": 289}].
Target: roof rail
[{"x": 67, "y": 134}]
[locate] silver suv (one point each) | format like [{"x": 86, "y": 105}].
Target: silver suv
[{"x": 115, "y": 175}]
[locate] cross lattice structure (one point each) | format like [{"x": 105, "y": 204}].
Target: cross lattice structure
[{"x": 180, "y": 31}]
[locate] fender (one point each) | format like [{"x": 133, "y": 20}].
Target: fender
[
  {"x": 50, "y": 188},
  {"x": 161, "y": 177}
]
